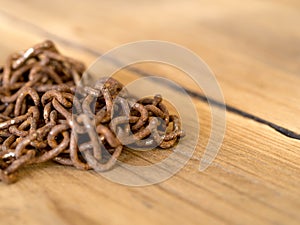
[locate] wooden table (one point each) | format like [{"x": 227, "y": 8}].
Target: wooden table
[{"x": 253, "y": 47}]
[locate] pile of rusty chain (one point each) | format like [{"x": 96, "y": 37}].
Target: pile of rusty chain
[{"x": 46, "y": 114}]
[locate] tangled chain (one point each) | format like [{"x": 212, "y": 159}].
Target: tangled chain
[{"x": 46, "y": 114}]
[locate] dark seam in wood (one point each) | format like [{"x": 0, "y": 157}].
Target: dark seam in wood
[
  {"x": 284, "y": 131},
  {"x": 229, "y": 108}
]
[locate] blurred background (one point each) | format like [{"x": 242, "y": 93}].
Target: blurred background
[{"x": 253, "y": 48}]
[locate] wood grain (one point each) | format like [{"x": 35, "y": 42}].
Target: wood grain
[
  {"x": 234, "y": 39},
  {"x": 255, "y": 177}
]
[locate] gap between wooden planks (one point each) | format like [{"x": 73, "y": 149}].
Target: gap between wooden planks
[
  {"x": 249, "y": 67},
  {"x": 254, "y": 179}
]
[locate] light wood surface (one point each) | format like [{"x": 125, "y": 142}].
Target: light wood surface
[{"x": 254, "y": 49}]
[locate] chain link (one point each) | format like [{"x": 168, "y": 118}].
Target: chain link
[{"x": 42, "y": 119}]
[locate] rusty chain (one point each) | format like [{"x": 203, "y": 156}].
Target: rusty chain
[{"x": 42, "y": 119}]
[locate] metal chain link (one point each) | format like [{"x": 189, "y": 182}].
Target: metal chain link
[{"x": 42, "y": 119}]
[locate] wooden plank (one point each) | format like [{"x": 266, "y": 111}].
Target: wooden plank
[
  {"x": 16, "y": 38},
  {"x": 239, "y": 187},
  {"x": 36, "y": 203},
  {"x": 254, "y": 179},
  {"x": 253, "y": 61}
]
